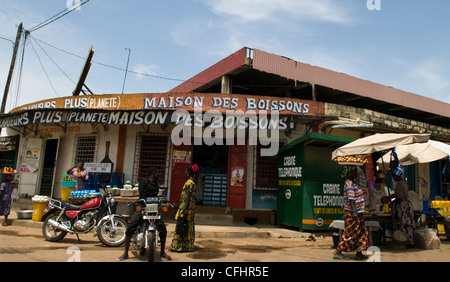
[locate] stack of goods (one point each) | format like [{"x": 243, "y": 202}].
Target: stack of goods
[
  {"x": 40, "y": 199},
  {"x": 351, "y": 159},
  {"x": 84, "y": 193},
  {"x": 215, "y": 190},
  {"x": 8, "y": 170}
]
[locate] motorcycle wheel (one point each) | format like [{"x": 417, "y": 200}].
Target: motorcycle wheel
[
  {"x": 151, "y": 246},
  {"x": 112, "y": 236},
  {"x": 142, "y": 249},
  {"x": 52, "y": 233}
]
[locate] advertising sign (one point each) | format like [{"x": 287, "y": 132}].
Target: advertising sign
[
  {"x": 310, "y": 187},
  {"x": 188, "y": 102}
]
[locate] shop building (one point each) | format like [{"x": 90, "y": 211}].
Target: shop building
[{"x": 222, "y": 119}]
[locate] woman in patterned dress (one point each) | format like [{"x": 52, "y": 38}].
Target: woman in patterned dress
[
  {"x": 6, "y": 190},
  {"x": 187, "y": 209},
  {"x": 355, "y": 237},
  {"x": 402, "y": 210}
]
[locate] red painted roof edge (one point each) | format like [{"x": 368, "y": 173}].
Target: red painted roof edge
[{"x": 223, "y": 67}]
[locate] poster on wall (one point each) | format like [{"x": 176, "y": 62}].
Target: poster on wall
[
  {"x": 181, "y": 157},
  {"x": 237, "y": 176},
  {"x": 264, "y": 199},
  {"x": 26, "y": 167},
  {"x": 32, "y": 155}
]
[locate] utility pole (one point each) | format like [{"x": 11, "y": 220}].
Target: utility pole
[{"x": 11, "y": 69}]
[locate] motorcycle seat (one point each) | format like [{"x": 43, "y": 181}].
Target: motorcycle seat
[{"x": 70, "y": 206}]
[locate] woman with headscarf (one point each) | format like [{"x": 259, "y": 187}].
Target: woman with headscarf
[
  {"x": 402, "y": 211},
  {"x": 186, "y": 209},
  {"x": 355, "y": 237}
]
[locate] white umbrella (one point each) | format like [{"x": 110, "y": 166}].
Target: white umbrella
[
  {"x": 415, "y": 153},
  {"x": 377, "y": 143}
]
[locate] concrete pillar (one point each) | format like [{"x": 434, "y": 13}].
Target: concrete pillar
[{"x": 226, "y": 84}]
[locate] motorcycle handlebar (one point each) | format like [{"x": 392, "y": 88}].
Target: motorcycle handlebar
[
  {"x": 164, "y": 201},
  {"x": 135, "y": 202}
]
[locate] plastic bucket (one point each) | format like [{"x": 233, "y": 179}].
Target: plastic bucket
[
  {"x": 65, "y": 193},
  {"x": 38, "y": 211},
  {"x": 66, "y": 188},
  {"x": 68, "y": 184}
]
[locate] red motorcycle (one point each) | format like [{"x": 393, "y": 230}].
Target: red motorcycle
[{"x": 63, "y": 217}]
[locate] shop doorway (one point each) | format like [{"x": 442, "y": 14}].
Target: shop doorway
[
  {"x": 181, "y": 158},
  {"x": 213, "y": 180},
  {"x": 48, "y": 170}
]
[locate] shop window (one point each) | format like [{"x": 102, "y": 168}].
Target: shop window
[
  {"x": 265, "y": 169},
  {"x": 152, "y": 151},
  {"x": 85, "y": 149}
]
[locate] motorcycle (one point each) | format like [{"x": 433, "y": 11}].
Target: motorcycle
[
  {"x": 146, "y": 236},
  {"x": 62, "y": 217}
]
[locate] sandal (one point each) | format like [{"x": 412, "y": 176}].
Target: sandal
[
  {"x": 339, "y": 256},
  {"x": 166, "y": 256},
  {"x": 122, "y": 257}
]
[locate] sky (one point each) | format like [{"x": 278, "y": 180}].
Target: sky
[{"x": 400, "y": 43}]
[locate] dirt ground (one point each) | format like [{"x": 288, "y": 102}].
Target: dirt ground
[{"x": 24, "y": 244}]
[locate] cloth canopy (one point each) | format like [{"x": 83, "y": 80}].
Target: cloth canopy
[
  {"x": 416, "y": 153},
  {"x": 378, "y": 142}
]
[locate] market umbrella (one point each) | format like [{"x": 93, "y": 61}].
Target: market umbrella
[
  {"x": 415, "y": 153},
  {"x": 378, "y": 142}
]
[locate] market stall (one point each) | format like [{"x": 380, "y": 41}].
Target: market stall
[
  {"x": 437, "y": 211},
  {"x": 399, "y": 149},
  {"x": 377, "y": 143}
]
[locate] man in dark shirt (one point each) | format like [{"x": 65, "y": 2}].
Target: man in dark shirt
[{"x": 148, "y": 187}]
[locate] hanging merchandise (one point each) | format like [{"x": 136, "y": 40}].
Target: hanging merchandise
[{"x": 394, "y": 163}]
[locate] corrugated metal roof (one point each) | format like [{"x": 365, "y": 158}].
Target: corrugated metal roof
[{"x": 297, "y": 71}]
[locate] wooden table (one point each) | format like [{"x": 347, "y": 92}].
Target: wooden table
[{"x": 383, "y": 219}]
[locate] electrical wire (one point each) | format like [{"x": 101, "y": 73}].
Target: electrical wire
[
  {"x": 54, "y": 61},
  {"x": 59, "y": 15},
  {"x": 114, "y": 67},
  {"x": 19, "y": 74},
  {"x": 7, "y": 39},
  {"x": 43, "y": 68}
]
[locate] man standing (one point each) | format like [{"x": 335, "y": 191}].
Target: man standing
[
  {"x": 355, "y": 237},
  {"x": 148, "y": 187}
]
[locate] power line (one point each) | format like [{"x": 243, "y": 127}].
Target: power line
[
  {"x": 19, "y": 75},
  {"x": 112, "y": 67},
  {"x": 59, "y": 15},
  {"x": 7, "y": 39},
  {"x": 53, "y": 61},
  {"x": 43, "y": 68}
]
